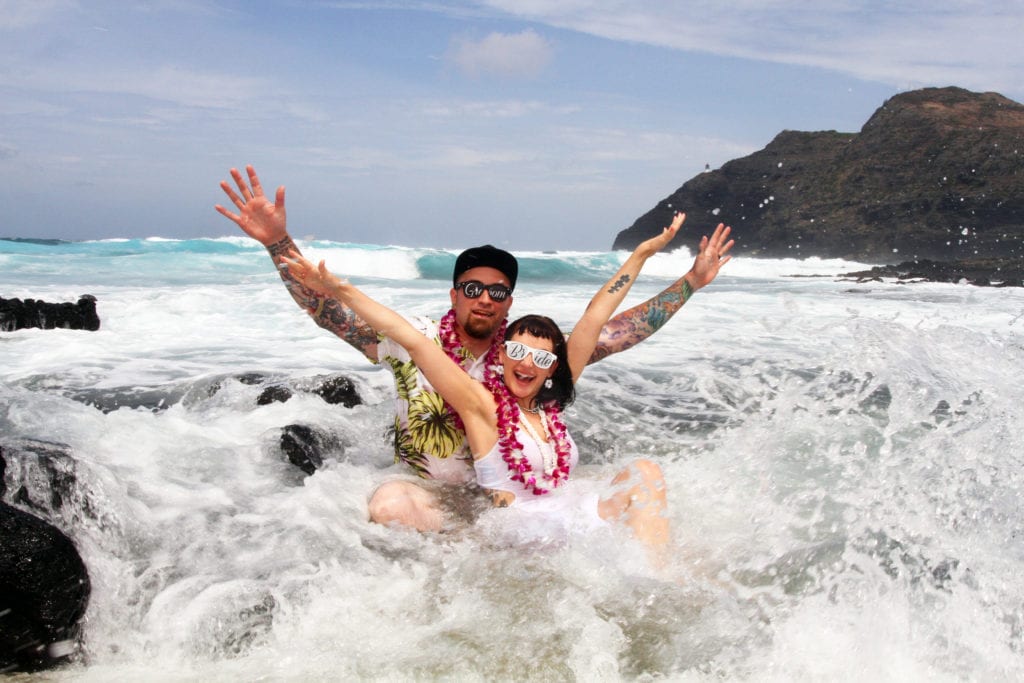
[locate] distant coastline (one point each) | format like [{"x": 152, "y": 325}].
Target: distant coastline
[
  {"x": 35, "y": 240},
  {"x": 981, "y": 272},
  {"x": 930, "y": 189}
]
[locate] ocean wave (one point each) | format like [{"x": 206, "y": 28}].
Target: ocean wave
[{"x": 389, "y": 262}]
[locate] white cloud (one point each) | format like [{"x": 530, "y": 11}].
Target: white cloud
[
  {"x": 973, "y": 44},
  {"x": 26, "y": 106},
  {"x": 516, "y": 55},
  {"x": 612, "y": 145},
  {"x": 185, "y": 86},
  {"x": 178, "y": 85},
  {"x": 503, "y": 109},
  {"x": 466, "y": 157},
  {"x": 20, "y": 14},
  {"x": 350, "y": 157}
]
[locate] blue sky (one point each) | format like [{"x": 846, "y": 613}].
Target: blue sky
[{"x": 527, "y": 123}]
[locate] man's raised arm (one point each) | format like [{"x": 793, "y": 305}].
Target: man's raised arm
[
  {"x": 632, "y": 326},
  {"x": 266, "y": 223}
]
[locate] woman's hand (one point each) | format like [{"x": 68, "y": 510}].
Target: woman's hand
[
  {"x": 652, "y": 246},
  {"x": 317, "y": 278}
]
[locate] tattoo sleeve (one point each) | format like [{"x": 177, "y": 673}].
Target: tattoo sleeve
[
  {"x": 328, "y": 313},
  {"x": 631, "y": 327}
]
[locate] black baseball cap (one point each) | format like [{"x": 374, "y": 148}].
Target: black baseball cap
[{"x": 487, "y": 256}]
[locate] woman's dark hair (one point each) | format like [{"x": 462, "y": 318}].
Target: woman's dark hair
[{"x": 562, "y": 391}]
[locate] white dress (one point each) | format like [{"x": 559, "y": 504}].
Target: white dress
[{"x": 566, "y": 509}]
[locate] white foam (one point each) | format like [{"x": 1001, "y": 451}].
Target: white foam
[
  {"x": 392, "y": 263},
  {"x": 827, "y": 447}
]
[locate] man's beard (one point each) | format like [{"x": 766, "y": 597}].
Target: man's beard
[{"x": 481, "y": 329}]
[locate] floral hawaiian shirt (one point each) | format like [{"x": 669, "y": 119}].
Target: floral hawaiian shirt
[{"x": 426, "y": 438}]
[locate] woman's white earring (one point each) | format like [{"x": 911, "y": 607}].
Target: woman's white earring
[{"x": 548, "y": 383}]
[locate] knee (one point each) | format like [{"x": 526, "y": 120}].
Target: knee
[
  {"x": 389, "y": 502},
  {"x": 649, "y": 470},
  {"x": 403, "y": 503},
  {"x": 649, "y": 479}
]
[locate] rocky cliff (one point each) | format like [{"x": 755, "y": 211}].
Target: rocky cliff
[{"x": 934, "y": 174}]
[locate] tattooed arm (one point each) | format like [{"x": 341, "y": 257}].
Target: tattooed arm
[
  {"x": 266, "y": 223},
  {"x": 583, "y": 340},
  {"x": 327, "y": 312},
  {"x": 470, "y": 398},
  {"x": 631, "y": 327}
]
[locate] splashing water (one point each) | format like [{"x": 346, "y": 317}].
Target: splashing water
[{"x": 843, "y": 463}]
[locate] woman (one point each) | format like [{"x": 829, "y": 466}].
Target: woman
[{"x": 522, "y": 453}]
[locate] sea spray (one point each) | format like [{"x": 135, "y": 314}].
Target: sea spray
[{"x": 843, "y": 462}]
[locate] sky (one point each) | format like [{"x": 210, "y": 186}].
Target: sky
[{"x": 531, "y": 124}]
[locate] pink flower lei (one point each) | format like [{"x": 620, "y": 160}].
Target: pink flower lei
[{"x": 508, "y": 414}]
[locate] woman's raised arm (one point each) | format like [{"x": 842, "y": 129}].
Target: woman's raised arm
[
  {"x": 471, "y": 400},
  {"x": 583, "y": 339}
]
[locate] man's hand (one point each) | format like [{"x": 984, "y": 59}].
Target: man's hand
[{"x": 257, "y": 217}]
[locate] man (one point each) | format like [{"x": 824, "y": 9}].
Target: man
[{"x": 428, "y": 437}]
